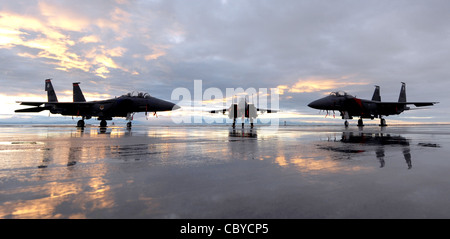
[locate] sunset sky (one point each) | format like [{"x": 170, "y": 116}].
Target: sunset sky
[{"x": 306, "y": 49}]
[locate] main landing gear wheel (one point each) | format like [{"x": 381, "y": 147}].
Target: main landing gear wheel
[
  {"x": 383, "y": 122},
  {"x": 346, "y": 124},
  {"x": 129, "y": 125},
  {"x": 80, "y": 123},
  {"x": 103, "y": 123},
  {"x": 360, "y": 122}
]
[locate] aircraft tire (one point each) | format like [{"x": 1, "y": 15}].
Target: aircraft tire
[
  {"x": 103, "y": 123},
  {"x": 80, "y": 123},
  {"x": 360, "y": 122},
  {"x": 383, "y": 122}
]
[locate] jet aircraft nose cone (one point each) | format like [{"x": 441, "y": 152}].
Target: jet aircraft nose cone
[
  {"x": 169, "y": 106},
  {"x": 155, "y": 104},
  {"x": 315, "y": 104},
  {"x": 323, "y": 104},
  {"x": 175, "y": 107}
]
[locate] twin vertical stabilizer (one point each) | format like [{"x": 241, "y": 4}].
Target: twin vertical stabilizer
[
  {"x": 402, "y": 97},
  {"x": 51, "y": 95},
  {"x": 77, "y": 93},
  {"x": 376, "y": 94}
]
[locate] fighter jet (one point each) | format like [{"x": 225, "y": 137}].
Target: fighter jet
[
  {"x": 124, "y": 106},
  {"x": 243, "y": 110},
  {"x": 350, "y": 106}
]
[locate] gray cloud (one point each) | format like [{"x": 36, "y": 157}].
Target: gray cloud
[{"x": 162, "y": 45}]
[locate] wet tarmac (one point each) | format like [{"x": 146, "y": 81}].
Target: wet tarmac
[{"x": 217, "y": 172}]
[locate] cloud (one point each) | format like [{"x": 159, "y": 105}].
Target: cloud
[
  {"x": 317, "y": 84},
  {"x": 78, "y": 40},
  {"x": 304, "y": 48},
  {"x": 61, "y": 17},
  {"x": 90, "y": 39},
  {"x": 39, "y": 41}
]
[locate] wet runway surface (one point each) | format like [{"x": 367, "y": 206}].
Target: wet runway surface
[{"x": 218, "y": 172}]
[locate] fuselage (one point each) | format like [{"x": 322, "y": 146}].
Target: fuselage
[
  {"x": 118, "y": 107},
  {"x": 123, "y": 106},
  {"x": 351, "y": 106},
  {"x": 242, "y": 110}
]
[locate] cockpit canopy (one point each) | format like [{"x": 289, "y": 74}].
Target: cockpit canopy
[
  {"x": 137, "y": 94},
  {"x": 340, "y": 94}
]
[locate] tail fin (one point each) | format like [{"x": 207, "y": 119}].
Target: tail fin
[
  {"x": 376, "y": 94},
  {"x": 51, "y": 95},
  {"x": 77, "y": 93},
  {"x": 402, "y": 97}
]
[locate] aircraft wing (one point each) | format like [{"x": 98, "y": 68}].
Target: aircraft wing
[
  {"x": 31, "y": 103},
  {"x": 74, "y": 106},
  {"x": 266, "y": 110},
  {"x": 223, "y": 111},
  {"x": 395, "y": 107},
  {"x": 34, "y": 109},
  {"x": 59, "y": 104},
  {"x": 394, "y": 104},
  {"x": 421, "y": 104},
  {"x": 64, "y": 105}
]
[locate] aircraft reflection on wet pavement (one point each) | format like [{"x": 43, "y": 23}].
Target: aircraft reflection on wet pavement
[
  {"x": 244, "y": 133},
  {"x": 360, "y": 141},
  {"x": 87, "y": 150}
]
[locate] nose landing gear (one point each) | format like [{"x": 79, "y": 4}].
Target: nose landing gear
[
  {"x": 383, "y": 122},
  {"x": 130, "y": 118}
]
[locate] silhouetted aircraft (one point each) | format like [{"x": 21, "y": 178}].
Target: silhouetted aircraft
[
  {"x": 350, "y": 106},
  {"x": 243, "y": 110},
  {"x": 123, "y": 106}
]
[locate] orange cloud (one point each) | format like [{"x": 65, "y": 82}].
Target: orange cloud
[
  {"x": 51, "y": 34},
  {"x": 90, "y": 39},
  {"x": 51, "y": 43},
  {"x": 62, "y": 18},
  {"x": 316, "y": 84}
]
